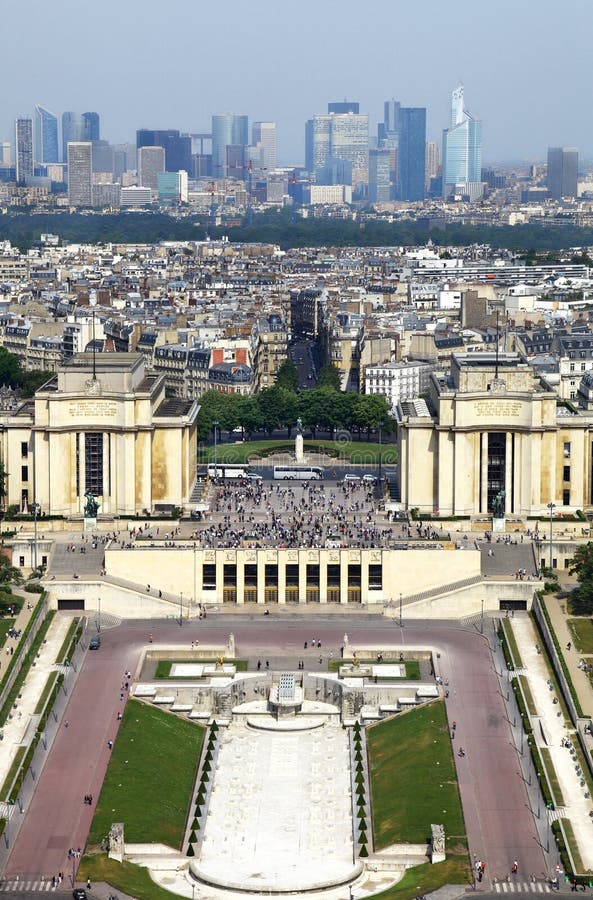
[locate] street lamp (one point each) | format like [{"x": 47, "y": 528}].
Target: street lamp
[
  {"x": 215, "y": 426},
  {"x": 551, "y": 507},
  {"x": 401, "y": 620},
  {"x": 482, "y": 618},
  {"x": 380, "y": 449},
  {"x": 35, "y": 508},
  {"x": 99, "y": 615},
  {"x": 180, "y": 608}
]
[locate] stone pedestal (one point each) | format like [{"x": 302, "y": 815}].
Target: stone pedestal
[
  {"x": 90, "y": 524},
  {"x": 499, "y": 525},
  {"x": 298, "y": 449}
]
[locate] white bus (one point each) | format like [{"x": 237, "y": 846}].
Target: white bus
[
  {"x": 228, "y": 470},
  {"x": 300, "y": 473}
]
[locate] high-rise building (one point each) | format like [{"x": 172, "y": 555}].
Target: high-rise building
[
  {"x": 229, "y": 130},
  {"x": 177, "y": 147},
  {"x": 263, "y": 141},
  {"x": 24, "y": 149},
  {"x": 462, "y": 151},
  {"x": 4, "y": 153},
  {"x": 103, "y": 157},
  {"x": 92, "y": 126},
  {"x": 563, "y": 169},
  {"x": 151, "y": 161},
  {"x": 46, "y": 136},
  {"x": 411, "y": 156},
  {"x": 345, "y": 106},
  {"x": 433, "y": 161},
  {"x": 379, "y": 180},
  {"x": 388, "y": 138},
  {"x": 73, "y": 131},
  {"x": 80, "y": 173},
  {"x": 172, "y": 187},
  {"x": 340, "y": 135}
]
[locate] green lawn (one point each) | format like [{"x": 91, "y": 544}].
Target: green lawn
[
  {"x": 5, "y": 624},
  {"x": 125, "y": 877},
  {"x": 363, "y": 452},
  {"x": 150, "y": 778},
  {"x": 582, "y": 632},
  {"x": 413, "y": 778}
]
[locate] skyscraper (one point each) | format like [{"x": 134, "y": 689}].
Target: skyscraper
[
  {"x": 263, "y": 140},
  {"x": 151, "y": 162},
  {"x": 177, "y": 147},
  {"x": 379, "y": 180},
  {"x": 80, "y": 173},
  {"x": 229, "y": 130},
  {"x": 73, "y": 130},
  {"x": 340, "y": 135},
  {"x": 92, "y": 126},
  {"x": 563, "y": 169},
  {"x": 462, "y": 151},
  {"x": 433, "y": 161},
  {"x": 388, "y": 138},
  {"x": 46, "y": 136},
  {"x": 24, "y": 149},
  {"x": 411, "y": 156},
  {"x": 345, "y": 106}
]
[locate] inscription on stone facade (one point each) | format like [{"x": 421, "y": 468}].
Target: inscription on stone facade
[
  {"x": 92, "y": 409},
  {"x": 498, "y": 409}
]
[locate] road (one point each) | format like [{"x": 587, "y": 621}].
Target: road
[{"x": 499, "y": 823}]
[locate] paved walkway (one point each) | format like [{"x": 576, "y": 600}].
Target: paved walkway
[
  {"x": 556, "y": 609},
  {"x": 550, "y": 730}
]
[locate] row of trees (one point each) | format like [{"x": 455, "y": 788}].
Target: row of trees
[
  {"x": 14, "y": 376},
  {"x": 322, "y": 408}
]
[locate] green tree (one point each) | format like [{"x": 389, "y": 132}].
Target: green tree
[
  {"x": 370, "y": 411},
  {"x": 329, "y": 377},
  {"x": 33, "y": 380},
  {"x": 10, "y": 369},
  {"x": 271, "y": 405},
  {"x": 582, "y": 567},
  {"x": 249, "y": 415},
  {"x": 287, "y": 376}
]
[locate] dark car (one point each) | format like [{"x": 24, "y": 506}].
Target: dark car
[
  {"x": 79, "y": 894},
  {"x": 94, "y": 644}
]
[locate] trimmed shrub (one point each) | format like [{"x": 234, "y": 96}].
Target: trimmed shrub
[
  {"x": 190, "y": 851},
  {"x": 363, "y": 851}
]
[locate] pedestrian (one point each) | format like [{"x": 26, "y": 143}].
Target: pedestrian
[
  {"x": 66, "y": 723},
  {"x": 515, "y": 867},
  {"x": 118, "y": 716},
  {"x": 88, "y": 884},
  {"x": 569, "y": 645},
  {"x": 110, "y": 744},
  {"x": 258, "y": 665}
]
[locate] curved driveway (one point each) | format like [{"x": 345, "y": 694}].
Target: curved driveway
[{"x": 499, "y": 823}]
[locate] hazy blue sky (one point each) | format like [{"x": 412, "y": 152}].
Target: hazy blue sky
[{"x": 526, "y": 65}]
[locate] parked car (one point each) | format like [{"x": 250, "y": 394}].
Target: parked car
[
  {"x": 351, "y": 476},
  {"x": 95, "y": 642},
  {"x": 79, "y": 894},
  {"x": 368, "y": 477}
]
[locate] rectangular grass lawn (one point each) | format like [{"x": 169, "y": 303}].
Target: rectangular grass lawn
[
  {"x": 413, "y": 778},
  {"x": 582, "y": 630},
  {"x": 150, "y": 777}
]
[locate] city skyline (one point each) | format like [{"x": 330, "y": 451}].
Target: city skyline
[{"x": 265, "y": 69}]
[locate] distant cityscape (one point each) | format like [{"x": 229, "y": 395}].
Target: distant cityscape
[{"x": 233, "y": 170}]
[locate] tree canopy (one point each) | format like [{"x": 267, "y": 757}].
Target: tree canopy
[{"x": 581, "y": 601}]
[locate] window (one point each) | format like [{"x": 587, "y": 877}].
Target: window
[
  {"x": 21, "y": 561},
  {"x": 375, "y": 577},
  {"x": 230, "y": 575},
  {"x": 566, "y": 473},
  {"x": 312, "y": 575},
  {"x": 209, "y": 576},
  {"x": 567, "y": 450},
  {"x": 271, "y": 573},
  {"x": 354, "y": 575},
  {"x": 250, "y": 575},
  {"x": 24, "y": 473},
  {"x": 24, "y": 449},
  {"x": 572, "y": 367},
  {"x": 292, "y": 575},
  {"x": 333, "y": 575},
  {"x": 93, "y": 463},
  {"x": 566, "y": 498}
]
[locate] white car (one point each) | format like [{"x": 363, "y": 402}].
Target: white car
[
  {"x": 350, "y": 476},
  {"x": 368, "y": 477}
]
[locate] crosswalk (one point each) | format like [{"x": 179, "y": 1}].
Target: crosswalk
[
  {"x": 27, "y": 884},
  {"x": 522, "y": 887}
]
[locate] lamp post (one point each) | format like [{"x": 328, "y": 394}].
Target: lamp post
[
  {"x": 180, "y": 608},
  {"x": 482, "y": 618},
  {"x": 99, "y": 616},
  {"x": 551, "y": 507},
  {"x": 215, "y": 426},
  {"x": 401, "y": 620},
  {"x": 35, "y": 507},
  {"x": 380, "y": 449}
]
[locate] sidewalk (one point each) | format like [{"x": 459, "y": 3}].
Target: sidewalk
[{"x": 580, "y": 681}]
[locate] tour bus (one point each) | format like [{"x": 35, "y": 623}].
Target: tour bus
[
  {"x": 228, "y": 470},
  {"x": 301, "y": 473}
]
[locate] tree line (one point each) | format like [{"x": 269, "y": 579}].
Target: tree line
[{"x": 324, "y": 407}]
